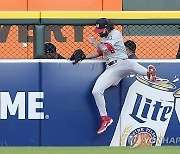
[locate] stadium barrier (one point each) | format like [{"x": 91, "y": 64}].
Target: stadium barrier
[{"x": 49, "y": 103}]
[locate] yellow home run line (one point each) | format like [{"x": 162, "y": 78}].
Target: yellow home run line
[
  {"x": 111, "y": 14},
  {"x": 19, "y": 14},
  {"x": 90, "y": 14}
]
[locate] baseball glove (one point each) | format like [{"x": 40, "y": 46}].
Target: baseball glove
[{"x": 77, "y": 56}]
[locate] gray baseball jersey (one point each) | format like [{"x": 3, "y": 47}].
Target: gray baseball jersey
[
  {"x": 113, "y": 74},
  {"x": 115, "y": 39}
]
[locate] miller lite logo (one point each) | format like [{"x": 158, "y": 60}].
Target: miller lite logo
[{"x": 152, "y": 110}]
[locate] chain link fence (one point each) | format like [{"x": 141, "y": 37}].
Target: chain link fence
[
  {"x": 16, "y": 41},
  {"x": 153, "y": 41}
]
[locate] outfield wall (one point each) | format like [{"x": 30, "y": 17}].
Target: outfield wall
[{"x": 49, "y": 103}]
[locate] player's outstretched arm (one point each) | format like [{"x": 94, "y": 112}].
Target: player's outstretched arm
[
  {"x": 100, "y": 47},
  {"x": 97, "y": 53},
  {"x": 94, "y": 54}
]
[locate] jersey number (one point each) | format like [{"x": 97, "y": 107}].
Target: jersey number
[{"x": 109, "y": 47}]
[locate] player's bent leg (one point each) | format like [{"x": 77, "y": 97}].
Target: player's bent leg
[
  {"x": 105, "y": 123},
  {"x": 105, "y": 80},
  {"x": 100, "y": 101},
  {"x": 137, "y": 68},
  {"x": 151, "y": 74},
  {"x": 141, "y": 70}
]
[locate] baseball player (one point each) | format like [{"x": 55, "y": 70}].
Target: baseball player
[
  {"x": 118, "y": 65},
  {"x": 130, "y": 48}
]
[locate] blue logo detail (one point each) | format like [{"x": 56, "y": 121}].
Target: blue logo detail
[{"x": 147, "y": 106}]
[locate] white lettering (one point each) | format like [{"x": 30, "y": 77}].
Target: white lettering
[
  {"x": 33, "y": 105},
  {"x": 166, "y": 140},
  {"x": 177, "y": 139},
  {"x": 10, "y": 107},
  {"x": 7, "y": 104},
  {"x": 172, "y": 140}
]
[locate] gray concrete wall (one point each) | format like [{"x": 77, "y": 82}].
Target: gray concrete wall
[{"x": 151, "y": 5}]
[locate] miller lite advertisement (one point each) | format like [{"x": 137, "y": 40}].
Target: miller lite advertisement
[
  {"x": 50, "y": 103},
  {"x": 150, "y": 113},
  {"x": 146, "y": 113}
]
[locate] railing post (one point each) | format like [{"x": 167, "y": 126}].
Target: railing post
[{"x": 39, "y": 40}]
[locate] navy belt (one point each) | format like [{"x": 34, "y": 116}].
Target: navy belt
[{"x": 112, "y": 62}]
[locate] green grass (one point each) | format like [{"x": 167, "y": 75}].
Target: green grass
[{"x": 90, "y": 150}]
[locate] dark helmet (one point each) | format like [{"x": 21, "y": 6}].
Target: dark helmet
[
  {"x": 103, "y": 23},
  {"x": 131, "y": 45}
]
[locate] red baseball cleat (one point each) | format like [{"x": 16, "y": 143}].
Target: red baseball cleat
[
  {"x": 105, "y": 122},
  {"x": 151, "y": 74}
]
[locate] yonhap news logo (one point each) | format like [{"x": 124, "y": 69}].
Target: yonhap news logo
[{"x": 25, "y": 105}]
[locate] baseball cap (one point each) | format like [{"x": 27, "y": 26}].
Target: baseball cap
[
  {"x": 131, "y": 45},
  {"x": 101, "y": 24},
  {"x": 50, "y": 48}
]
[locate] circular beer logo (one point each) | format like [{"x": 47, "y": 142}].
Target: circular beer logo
[{"x": 142, "y": 136}]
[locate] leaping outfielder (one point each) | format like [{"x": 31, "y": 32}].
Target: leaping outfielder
[{"x": 118, "y": 65}]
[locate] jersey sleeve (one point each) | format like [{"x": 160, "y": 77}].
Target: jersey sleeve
[{"x": 114, "y": 38}]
